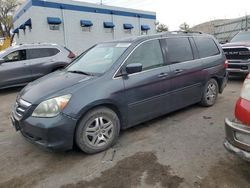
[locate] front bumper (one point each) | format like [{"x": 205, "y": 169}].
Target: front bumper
[
  {"x": 236, "y": 145},
  {"x": 238, "y": 66},
  {"x": 55, "y": 133}
]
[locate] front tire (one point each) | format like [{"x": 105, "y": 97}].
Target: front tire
[
  {"x": 210, "y": 93},
  {"x": 98, "y": 130}
]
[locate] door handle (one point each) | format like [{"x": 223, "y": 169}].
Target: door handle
[
  {"x": 163, "y": 75},
  {"x": 178, "y": 71}
]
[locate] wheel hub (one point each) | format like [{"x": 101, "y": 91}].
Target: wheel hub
[{"x": 99, "y": 131}]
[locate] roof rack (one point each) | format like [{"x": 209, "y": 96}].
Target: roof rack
[
  {"x": 36, "y": 43},
  {"x": 198, "y": 32}
]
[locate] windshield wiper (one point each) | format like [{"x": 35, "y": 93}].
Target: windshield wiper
[{"x": 80, "y": 72}]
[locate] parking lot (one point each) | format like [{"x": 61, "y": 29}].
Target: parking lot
[{"x": 182, "y": 149}]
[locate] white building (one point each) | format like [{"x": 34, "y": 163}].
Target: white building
[{"x": 78, "y": 25}]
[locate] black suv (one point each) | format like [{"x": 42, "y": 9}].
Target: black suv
[
  {"x": 119, "y": 84},
  {"x": 237, "y": 52}
]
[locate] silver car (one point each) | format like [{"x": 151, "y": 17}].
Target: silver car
[{"x": 24, "y": 63}]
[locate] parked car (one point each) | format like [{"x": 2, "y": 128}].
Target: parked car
[
  {"x": 24, "y": 63},
  {"x": 119, "y": 84},
  {"x": 238, "y": 130},
  {"x": 237, "y": 52}
]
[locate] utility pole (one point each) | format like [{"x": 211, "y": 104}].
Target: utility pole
[
  {"x": 101, "y": 2},
  {"x": 246, "y": 23}
]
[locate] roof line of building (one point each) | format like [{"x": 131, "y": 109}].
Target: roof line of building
[{"x": 55, "y": 5}]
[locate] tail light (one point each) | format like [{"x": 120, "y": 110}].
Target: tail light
[
  {"x": 226, "y": 64},
  {"x": 245, "y": 91},
  {"x": 71, "y": 55}
]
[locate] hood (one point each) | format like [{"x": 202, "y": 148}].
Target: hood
[
  {"x": 49, "y": 85},
  {"x": 237, "y": 44}
]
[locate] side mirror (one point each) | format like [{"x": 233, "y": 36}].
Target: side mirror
[
  {"x": 133, "y": 68},
  {"x": 2, "y": 61}
]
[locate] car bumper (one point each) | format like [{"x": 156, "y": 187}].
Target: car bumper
[
  {"x": 237, "y": 139},
  {"x": 238, "y": 66},
  {"x": 52, "y": 133}
]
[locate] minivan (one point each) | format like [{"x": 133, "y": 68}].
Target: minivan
[{"x": 119, "y": 84}]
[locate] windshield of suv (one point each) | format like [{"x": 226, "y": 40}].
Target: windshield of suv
[
  {"x": 98, "y": 59},
  {"x": 241, "y": 37}
]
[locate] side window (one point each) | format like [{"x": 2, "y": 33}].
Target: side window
[
  {"x": 18, "y": 55},
  {"x": 41, "y": 52},
  {"x": 206, "y": 46},
  {"x": 179, "y": 50},
  {"x": 149, "y": 54}
]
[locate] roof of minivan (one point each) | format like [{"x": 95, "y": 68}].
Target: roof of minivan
[{"x": 160, "y": 35}]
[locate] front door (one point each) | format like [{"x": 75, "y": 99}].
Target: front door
[{"x": 145, "y": 95}]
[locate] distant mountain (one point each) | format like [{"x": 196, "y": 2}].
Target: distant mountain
[{"x": 208, "y": 27}]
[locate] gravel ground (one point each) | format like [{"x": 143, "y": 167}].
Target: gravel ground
[{"x": 181, "y": 149}]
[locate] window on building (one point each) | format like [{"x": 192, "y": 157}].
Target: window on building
[
  {"x": 206, "y": 47},
  {"x": 86, "y": 25},
  {"x": 109, "y": 27},
  {"x": 18, "y": 55},
  {"x": 86, "y": 29},
  {"x": 179, "y": 50},
  {"x": 149, "y": 54},
  {"x": 128, "y": 28},
  {"x": 41, "y": 52},
  {"x": 54, "y": 27},
  {"x": 128, "y": 31},
  {"x": 145, "y": 29},
  {"x": 54, "y": 23}
]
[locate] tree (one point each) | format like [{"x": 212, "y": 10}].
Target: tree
[
  {"x": 184, "y": 27},
  {"x": 7, "y": 9},
  {"x": 162, "y": 28}
]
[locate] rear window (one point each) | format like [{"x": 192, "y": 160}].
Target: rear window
[
  {"x": 41, "y": 52},
  {"x": 206, "y": 46},
  {"x": 179, "y": 50}
]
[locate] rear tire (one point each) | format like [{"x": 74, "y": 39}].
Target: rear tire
[
  {"x": 210, "y": 93},
  {"x": 98, "y": 130}
]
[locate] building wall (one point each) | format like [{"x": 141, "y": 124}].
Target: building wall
[{"x": 71, "y": 34}]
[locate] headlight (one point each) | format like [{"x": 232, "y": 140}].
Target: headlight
[{"x": 51, "y": 107}]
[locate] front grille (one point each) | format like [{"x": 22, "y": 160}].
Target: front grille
[
  {"x": 235, "y": 66},
  {"x": 21, "y": 108},
  {"x": 237, "y": 53}
]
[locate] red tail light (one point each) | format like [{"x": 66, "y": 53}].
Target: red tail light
[
  {"x": 242, "y": 109},
  {"x": 71, "y": 55},
  {"x": 226, "y": 64}
]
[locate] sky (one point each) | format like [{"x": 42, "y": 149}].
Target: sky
[{"x": 174, "y": 13}]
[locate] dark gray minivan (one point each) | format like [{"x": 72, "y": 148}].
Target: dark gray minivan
[{"x": 119, "y": 84}]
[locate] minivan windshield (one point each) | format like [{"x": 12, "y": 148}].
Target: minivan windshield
[
  {"x": 241, "y": 37},
  {"x": 98, "y": 59}
]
